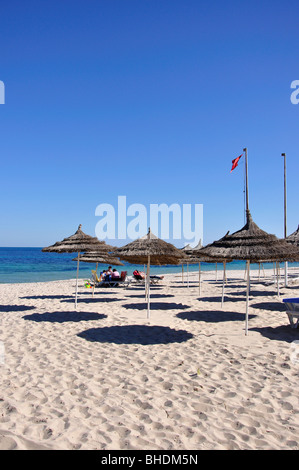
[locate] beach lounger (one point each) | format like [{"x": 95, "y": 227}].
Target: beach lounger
[
  {"x": 293, "y": 311},
  {"x": 153, "y": 279},
  {"x": 123, "y": 280}
]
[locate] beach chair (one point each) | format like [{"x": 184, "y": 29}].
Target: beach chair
[
  {"x": 100, "y": 283},
  {"x": 139, "y": 280},
  {"x": 94, "y": 278},
  {"x": 123, "y": 280},
  {"x": 292, "y": 306},
  {"x": 155, "y": 280}
]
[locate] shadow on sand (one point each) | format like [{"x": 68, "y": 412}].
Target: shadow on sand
[
  {"x": 141, "y": 288},
  {"x": 156, "y": 306},
  {"x": 45, "y": 297},
  {"x": 185, "y": 286},
  {"x": 136, "y": 334},
  {"x": 212, "y": 316},
  {"x": 153, "y": 296},
  {"x": 15, "y": 308},
  {"x": 92, "y": 300},
  {"x": 218, "y": 298},
  {"x": 280, "y": 333},
  {"x": 256, "y": 293},
  {"x": 273, "y": 306},
  {"x": 63, "y": 317}
]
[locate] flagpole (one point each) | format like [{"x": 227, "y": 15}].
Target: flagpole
[
  {"x": 246, "y": 181},
  {"x": 285, "y": 216},
  {"x": 248, "y": 261}
]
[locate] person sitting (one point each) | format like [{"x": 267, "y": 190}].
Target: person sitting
[
  {"x": 138, "y": 275},
  {"x": 109, "y": 274},
  {"x": 115, "y": 274},
  {"x": 103, "y": 275}
]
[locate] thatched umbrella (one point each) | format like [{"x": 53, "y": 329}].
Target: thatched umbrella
[
  {"x": 294, "y": 237},
  {"x": 189, "y": 259},
  {"x": 202, "y": 258},
  {"x": 150, "y": 250},
  {"x": 197, "y": 257},
  {"x": 76, "y": 244},
  {"x": 250, "y": 244},
  {"x": 102, "y": 257}
]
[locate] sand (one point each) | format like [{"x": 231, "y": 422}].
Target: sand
[{"x": 105, "y": 377}]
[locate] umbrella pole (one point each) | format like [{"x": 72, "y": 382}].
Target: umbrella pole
[
  {"x": 247, "y": 297},
  {"x": 146, "y": 284},
  {"x": 285, "y": 216},
  {"x": 222, "y": 300},
  {"x": 77, "y": 279},
  {"x": 188, "y": 275},
  {"x": 94, "y": 281},
  {"x": 216, "y": 273},
  {"x": 148, "y": 288},
  {"x": 259, "y": 271},
  {"x": 199, "y": 279},
  {"x": 277, "y": 279},
  {"x": 182, "y": 273}
]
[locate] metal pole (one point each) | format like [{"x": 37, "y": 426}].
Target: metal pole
[
  {"x": 246, "y": 176},
  {"x": 285, "y": 216},
  {"x": 148, "y": 288},
  {"x": 222, "y": 300},
  {"x": 78, "y": 261},
  {"x": 247, "y": 297},
  {"x": 259, "y": 271},
  {"x": 94, "y": 281},
  {"x": 199, "y": 279},
  {"x": 277, "y": 276}
]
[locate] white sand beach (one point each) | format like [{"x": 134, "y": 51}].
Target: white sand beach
[{"x": 105, "y": 377}]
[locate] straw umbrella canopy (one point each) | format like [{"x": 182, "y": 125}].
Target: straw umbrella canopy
[
  {"x": 77, "y": 243},
  {"x": 250, "y": 244},
  {"x": 186, "y": 248},
  {"x": 99, "y": 257},
  {"x": 150, "y": 250},
  {"x": 294, "y": 237}
]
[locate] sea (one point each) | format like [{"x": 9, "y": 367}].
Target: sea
[{"x": 19, "y": 265}]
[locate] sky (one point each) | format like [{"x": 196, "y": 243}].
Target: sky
[{"x": 148, "y": 99}]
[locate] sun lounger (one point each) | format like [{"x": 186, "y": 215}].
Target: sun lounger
[
  {"x": 153, "y": 279},
  {"x": 293, "y": 311},
  {"x": 123, "y": 280}
]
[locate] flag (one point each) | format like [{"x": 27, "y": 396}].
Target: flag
[{"x": 235, "y": 162}]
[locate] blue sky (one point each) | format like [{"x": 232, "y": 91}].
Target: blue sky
[{"x": 148, "y": 99}]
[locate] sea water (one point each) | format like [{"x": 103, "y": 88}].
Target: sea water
[{"x": 18, "y": 265}]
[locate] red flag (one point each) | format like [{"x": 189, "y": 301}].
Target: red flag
[{"x": 235, "y": 162}]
